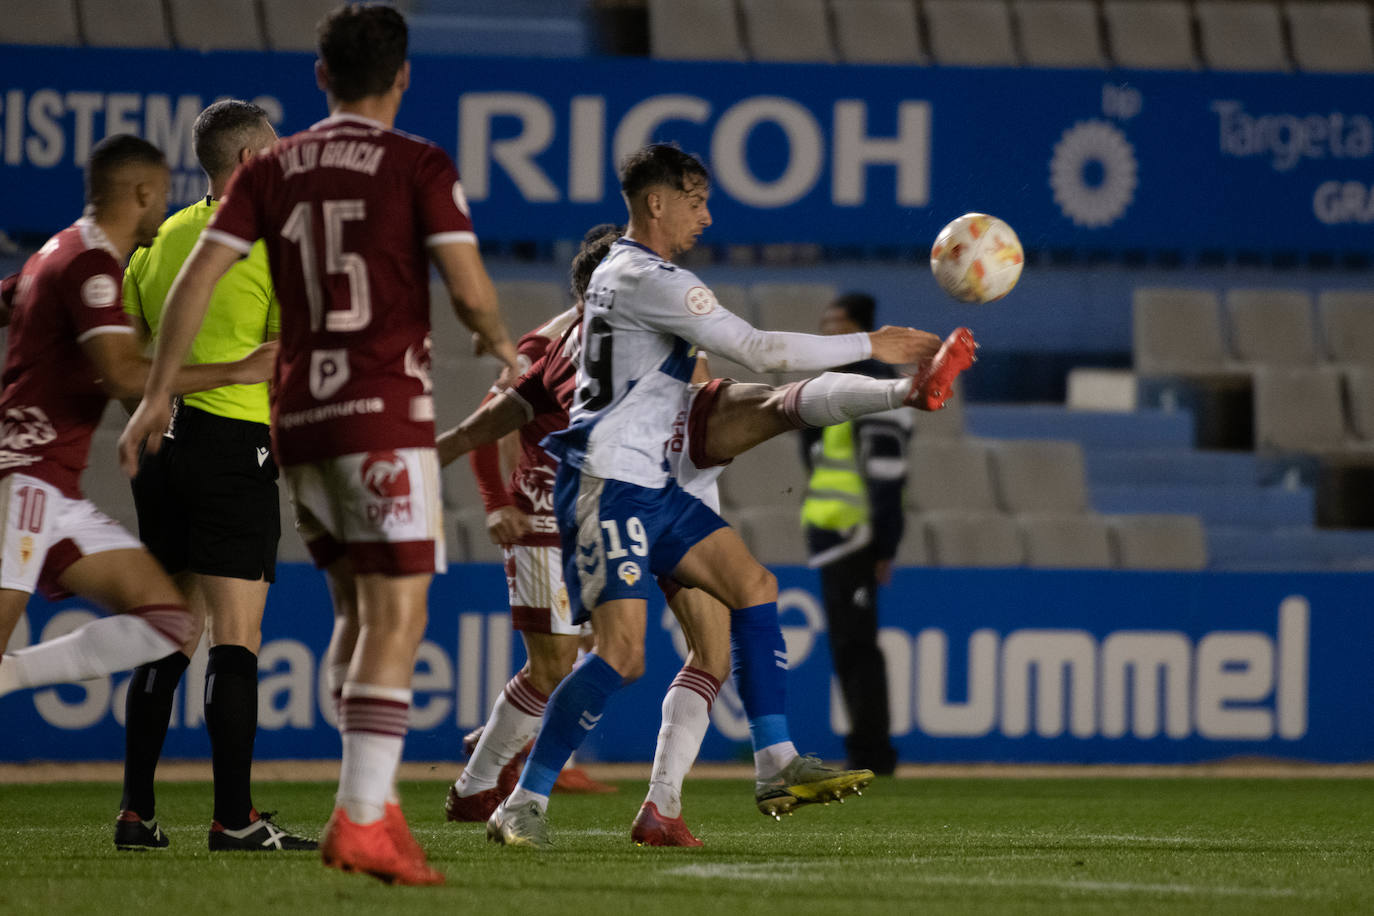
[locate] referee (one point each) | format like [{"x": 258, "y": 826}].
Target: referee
[{"x": 207, "y": 509}]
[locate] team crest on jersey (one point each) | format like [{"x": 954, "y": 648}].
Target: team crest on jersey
[
  {"x": 629, "y": 573},
  {"x": 99, "y": 291},
  {"x": 700, "y": 301},
  {"x": 387, "y": 481}
]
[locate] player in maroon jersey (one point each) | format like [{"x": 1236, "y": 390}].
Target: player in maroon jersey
[
  {"x": 69, "y": 351},
  {"x": 352, "y": 212},
  {"x": 721, "y": 419}
]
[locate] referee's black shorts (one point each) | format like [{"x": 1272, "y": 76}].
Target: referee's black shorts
[{"x": 207, "y": 501}]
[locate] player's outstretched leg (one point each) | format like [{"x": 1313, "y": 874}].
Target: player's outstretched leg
[{"x": 934, "y": 383}]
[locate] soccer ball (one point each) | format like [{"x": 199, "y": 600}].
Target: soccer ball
[{"x": 977, "y": 258}]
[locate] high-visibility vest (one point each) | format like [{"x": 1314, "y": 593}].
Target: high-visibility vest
[{"x": 836, "y": 497}]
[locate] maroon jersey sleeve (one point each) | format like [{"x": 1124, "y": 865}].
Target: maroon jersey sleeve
[
  {"x": 533, "y": 390},
  {"x": 443, "y": 206},
  {"x": 7, "y": 289},
  {"x": 237, "y": 221},
  {"x": 92, "y": 293}
]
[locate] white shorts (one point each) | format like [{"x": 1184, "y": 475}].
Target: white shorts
[
  {"x": 381, "y": 509},
  {"x": 46, "y": 532},
  {"x": 538, "y": 598}
]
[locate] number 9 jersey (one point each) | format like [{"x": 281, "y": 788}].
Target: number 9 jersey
[{"x": 348, "y": 210}]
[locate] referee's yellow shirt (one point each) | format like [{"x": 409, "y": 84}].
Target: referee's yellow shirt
[{"x": 243, "y": 308}]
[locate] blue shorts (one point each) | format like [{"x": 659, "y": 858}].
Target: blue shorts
[{"x": 618, "y": 536}]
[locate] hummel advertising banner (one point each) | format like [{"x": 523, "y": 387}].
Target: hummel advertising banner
[
  {"x": 995, "y": 665},
  {"x": 876, "y": 156}
]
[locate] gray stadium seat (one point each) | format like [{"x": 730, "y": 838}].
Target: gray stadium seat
[
  {"x": 1177, "y": 331},
  {"x": 770, "y": 474},
  {"x": 526, "y": 304},
  {"x": 460, "y": 488},
  {"x": 986, "y": 539},
  {"x": 791, "y": 306},
  {"x": 1060, "y": 541},
  {"x": 949, "y": 474},
  {"x": 1241, "y": 35},
  {"x": 877, "y": 31},
  {"x": 773, "y": 533},
  {"x": 1150, "y": 34},
  {"x": 945, "y": 423},
  {"x": 1347, "y": 325},
  {"x": 459, "y": 388},
  {"x": 290, "y": 24},
  {"x": 695, "y": 30},
  {"x": 1359, "y": 389},
  {"x": 1059, "y": 33},
  {"x": 290, "y": 548},
  {"x": 1332, "y": 37},
  {"x": 1272, "y": 327},
  {"x": 735, "y": 297},
  {"x": 1158, "y": 541},
  {"x": 216, "y": 25},
  {"x": 104, "y": 483},
  {"x": 49, "y": 23},
  {"x": 1299, "y": 410},
  {"x": 788, "y": 30},
  {"x": 970, "y": 33},
  {"x": 124, "y": 24},
  {"x": 1039, "y": 475},
  {"x": 465, "y": 531},
  {"x": 913, "y": 549}
]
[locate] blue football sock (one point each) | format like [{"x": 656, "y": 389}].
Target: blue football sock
[
  {"x": 759, "y": 663},
  {"x": 573, "y": 710}
]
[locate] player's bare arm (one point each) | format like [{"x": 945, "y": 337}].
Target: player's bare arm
[
  {"x": 182, "y": 316},
  {"x": 474, "y": 297},
  {"x": 124, "y": 371},
  {"x": 501, "y": 415}
]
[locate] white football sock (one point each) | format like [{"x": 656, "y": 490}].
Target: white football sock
[
  {"x": 837, "y": 397},
  {"x": 101, "y": 647},
  {"x": 514, "y": 720},
  {"x": 523, "y": 796},
  {"x": 686, "y": 716},
  {"x": 373, "y": 720},
  {"x": 769, "y": 761}
]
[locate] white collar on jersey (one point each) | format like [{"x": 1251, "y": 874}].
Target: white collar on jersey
[
  {"x": 348, "y": 116},
  {"x": 94, "y": 237}
]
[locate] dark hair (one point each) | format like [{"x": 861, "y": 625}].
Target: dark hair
[
  {"x": 660, "y": 164},
  {"x": 595, "y": 245},
  {"x": 860, "y": 308},
  {"x": 363, "y": 47},
  {"x": 111, "y": 156},
  {"x": 222, "y": 130}
]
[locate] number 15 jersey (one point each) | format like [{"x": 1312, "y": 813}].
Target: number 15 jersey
[{"x": 348, "y": 210}]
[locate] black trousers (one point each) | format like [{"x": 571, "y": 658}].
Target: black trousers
[{"x": 849, "y": 590}]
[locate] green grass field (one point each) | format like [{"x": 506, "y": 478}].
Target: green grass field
[{"x": 930, "y": 846}]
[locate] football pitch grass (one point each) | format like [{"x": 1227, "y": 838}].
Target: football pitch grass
[{"x": 937, "y": 846}]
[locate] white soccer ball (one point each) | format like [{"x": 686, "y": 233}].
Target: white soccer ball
[{"x": 977, "y": 258}]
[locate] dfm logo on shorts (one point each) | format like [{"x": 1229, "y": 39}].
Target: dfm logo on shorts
[{"x": 385, "y": 477}]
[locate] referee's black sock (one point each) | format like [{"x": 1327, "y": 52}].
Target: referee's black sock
[
  {"x": 147, "y": 712},
  {"x": 231, "y": 718}
]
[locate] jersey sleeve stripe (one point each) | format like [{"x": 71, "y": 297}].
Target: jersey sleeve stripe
[
  {"x": 104, "y": 329},
  {"x": 451, "y": 238},
  {"x": 529, "y": 410},
  {"x": 224, "y": 238}
]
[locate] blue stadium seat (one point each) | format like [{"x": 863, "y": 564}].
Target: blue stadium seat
[{"x": 1215, "y": 505}]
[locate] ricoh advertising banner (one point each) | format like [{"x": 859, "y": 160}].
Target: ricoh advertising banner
[
  {"x": 985, "y": 666},
  {"x": 882, "y": 156}
]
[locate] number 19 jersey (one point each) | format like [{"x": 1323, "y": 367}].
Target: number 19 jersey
[{"x": 348, "y": 210}]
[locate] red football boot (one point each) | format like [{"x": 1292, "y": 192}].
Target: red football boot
[
  {"x": 401, "y": 837},
  {"x": 575, "y": 781},
  {"x": 370, "y": 849},
  {"x": 653, "y": 829},
  {"x": 934, "y": 383},
  {"x": 476, "y": 807}
]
